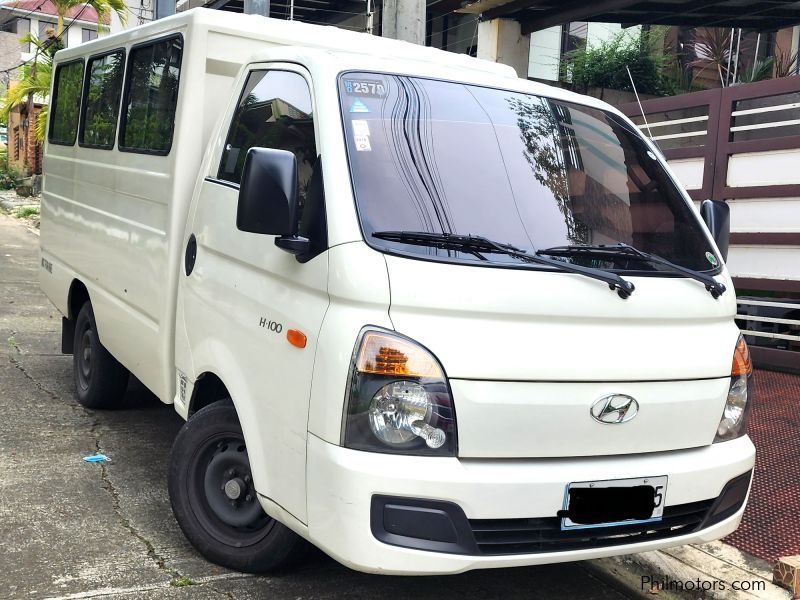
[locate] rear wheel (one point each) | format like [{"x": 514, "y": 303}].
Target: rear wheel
[
  {"x": 100, "y": 379},
  {"x": 214, "y": 500}
]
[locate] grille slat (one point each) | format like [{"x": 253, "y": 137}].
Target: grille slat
[{"x": 523, "y": 536}]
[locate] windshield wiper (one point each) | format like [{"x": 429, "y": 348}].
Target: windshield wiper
[
  {"x": 479, "y": 245},
  {"x": 715, "y": 288}
]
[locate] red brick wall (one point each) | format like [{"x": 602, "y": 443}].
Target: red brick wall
[{"x": 26, "y": 160}]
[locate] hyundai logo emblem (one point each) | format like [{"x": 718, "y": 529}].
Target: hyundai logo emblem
[{"x": 614, "y": 408}]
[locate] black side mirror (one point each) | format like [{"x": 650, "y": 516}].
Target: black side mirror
[
  {"x": 268, "y": 198},
  {"x": 717, "y": 216}
]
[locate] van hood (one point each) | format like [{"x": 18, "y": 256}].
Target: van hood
[
  {"x": 511, "y": 324},
  {"x": 530, "y": 354}
]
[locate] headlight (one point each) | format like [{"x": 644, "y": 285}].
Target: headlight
[
  {"x": 398, "y": 399},
  {"x": 733, "y": 423}
]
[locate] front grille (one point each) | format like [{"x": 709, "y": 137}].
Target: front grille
[{"x": 526, "y": 536}]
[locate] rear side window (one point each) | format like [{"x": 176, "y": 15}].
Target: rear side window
[
  {"x": 101, "y": 100},
  {"x": 67, "y": 87},
  {"x": 151, "y": 96}
]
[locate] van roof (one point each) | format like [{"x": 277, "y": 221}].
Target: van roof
[{"x": 290, "y": 33}]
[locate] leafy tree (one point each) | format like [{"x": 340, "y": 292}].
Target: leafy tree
[
  {"x": 33, "y": 78},
  {"x": 101, "y": 7},
  {"x": 712, "y": 49},
  {"x": 544, "y": 141},
  {"x": 606, "y": 65}
]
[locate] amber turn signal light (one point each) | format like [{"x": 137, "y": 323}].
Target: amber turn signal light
[
  {"x": 742, "y": 364},
  {"x": 296, "y": 338},
  {"x": 388, "y": 355}
]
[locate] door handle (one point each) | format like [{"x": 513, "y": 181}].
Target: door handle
[{"x": 191, "y": 254}]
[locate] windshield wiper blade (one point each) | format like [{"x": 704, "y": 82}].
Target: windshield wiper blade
[
  {"x": 475, "y": 244},
  {"x": 714, "y": 287}
]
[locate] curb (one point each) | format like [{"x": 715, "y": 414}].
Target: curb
[{"x": 714, "y": 571}]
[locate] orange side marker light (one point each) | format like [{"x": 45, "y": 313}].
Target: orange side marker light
[{"x": 296, "y": 338}]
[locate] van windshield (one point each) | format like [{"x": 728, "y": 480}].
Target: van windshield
[{"x": 442, "y": 157}]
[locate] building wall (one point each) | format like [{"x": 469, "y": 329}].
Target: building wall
[
  {"x": 454, "y": 32},
  {"x": 42, "y": 24},
  {"x": 544, "y": 58},
  {"x": 9, "y": 57},
  {"x": 24, "y": 152},
  {"x": 139, "y": 12}
]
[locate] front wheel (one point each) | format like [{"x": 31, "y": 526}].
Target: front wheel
[{"x": 214, "y": 500}]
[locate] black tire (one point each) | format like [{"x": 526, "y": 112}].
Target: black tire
[
  {"x": 208, "y": 466},
  {"x": 100, "y": 380}
]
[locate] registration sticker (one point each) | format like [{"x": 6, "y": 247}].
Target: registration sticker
[
  {"x": 360, "y": 127},
  {"x": 369, "y": 88},
  {"x": 362, "y": 143}
]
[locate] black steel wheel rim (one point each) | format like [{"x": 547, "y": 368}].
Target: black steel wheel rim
[
  {"x": 222, "y": 495},
  {"x": 83, "y": 354}
]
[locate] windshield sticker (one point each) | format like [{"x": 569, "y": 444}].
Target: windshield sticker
[
  {"x": 712, "y": 259},
  {"x": 362, "y": 143},
  {"x": 365, "y": 87},
  {"x": 360, "y": 127},
  {"x": 358, "y": 107}
]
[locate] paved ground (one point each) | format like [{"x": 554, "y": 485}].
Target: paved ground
[
  {"x": 69, "y": 529},
  {"x": 770, "y": 526}
]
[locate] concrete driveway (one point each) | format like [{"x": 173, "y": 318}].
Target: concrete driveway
[{"x": 70, "y": 529}]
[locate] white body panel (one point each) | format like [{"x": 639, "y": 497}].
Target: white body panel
[
  {"x": 508, "y": 419},
  {"x": 341, "y": 483},
  {"x": 527, "y": 351}
]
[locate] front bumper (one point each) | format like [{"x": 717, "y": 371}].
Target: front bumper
[{"x": 342, "y": 483}]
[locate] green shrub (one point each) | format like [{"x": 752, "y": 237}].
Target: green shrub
[
  {"x": 26, "y": 211},
  {"x": 605, "y": 65},
  {"x": 9, "y": 178}
]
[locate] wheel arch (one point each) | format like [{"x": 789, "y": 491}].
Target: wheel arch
[
  {"x": 221, "y": 376},
  {"x": 77, "y": 296},
  {"x": 208, "y": 388}
]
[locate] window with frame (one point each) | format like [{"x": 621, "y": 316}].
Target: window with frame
[
  {"x": 65, "y": 107},
  {"x": 87, "y": 35},
  {"x": 23, "y": 29},
  {"x": 19, "y": 26},
  {"x": 151, "y": 97},
  {"x": 47, "y": 30},
  {"x": 274, "y": 111},
  {"x": 101, "y": 100}
]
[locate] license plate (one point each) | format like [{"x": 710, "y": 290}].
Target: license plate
[{"x": 613, "y": 502}]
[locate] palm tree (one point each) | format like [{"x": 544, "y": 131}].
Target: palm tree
[
  {"x": 33, "y": 80},
  {"x": 101, "y": 7}
]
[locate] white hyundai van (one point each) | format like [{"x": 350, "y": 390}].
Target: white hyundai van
[{"x": 416, "y": 311}]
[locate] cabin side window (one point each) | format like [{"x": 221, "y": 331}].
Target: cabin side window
[
  {"x": 65, "y": 107},
  {"x": 151, "y": 96},
  {"x": 274, "y": 112},
  {"x": 101, "y": 100}
]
